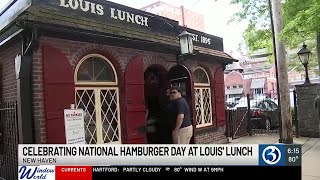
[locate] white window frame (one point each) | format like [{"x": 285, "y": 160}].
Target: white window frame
[
  {"x": 97, "y": 87},
  {"x": 99, "y": 127},
  {"x": 95, "y": 83},
  {"x": 201, "y": 87},
  {"x": 203, "y": 124}
]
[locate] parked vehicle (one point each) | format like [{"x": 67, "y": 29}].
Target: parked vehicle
[
  {"x": 264, "y": 114},
  {"x": 232, "y": 102}
]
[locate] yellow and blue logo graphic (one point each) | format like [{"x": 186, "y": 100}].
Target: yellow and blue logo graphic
[{"x": 36, "y": 172}]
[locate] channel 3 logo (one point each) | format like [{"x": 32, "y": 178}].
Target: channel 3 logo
[{"x": 270, "y": 155}]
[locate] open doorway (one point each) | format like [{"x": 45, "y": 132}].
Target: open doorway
[
  {"x": 180, "y": 76},
  {"x": 156, "y": 82}
]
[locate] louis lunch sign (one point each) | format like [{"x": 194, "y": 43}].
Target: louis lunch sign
[{"x": 74, "y": 126}]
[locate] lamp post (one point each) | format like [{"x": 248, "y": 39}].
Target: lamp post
[{"x": 305, "y": 56}]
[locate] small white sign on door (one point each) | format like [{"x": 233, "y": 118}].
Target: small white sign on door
[{"x": 74, "y": 126}]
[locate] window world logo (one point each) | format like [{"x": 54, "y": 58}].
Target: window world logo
[
  {"x": 37, "y": 172},
  {"x": 271, "y": 155}
]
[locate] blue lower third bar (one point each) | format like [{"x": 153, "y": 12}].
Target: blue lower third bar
[{"x": 280, "y": 155}]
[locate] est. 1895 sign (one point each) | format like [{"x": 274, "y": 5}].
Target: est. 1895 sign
[
  {"x": 205, "y": 40},
  {"x": 74, "y": 126}
]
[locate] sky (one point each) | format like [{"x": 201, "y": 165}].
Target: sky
[{"x": 217, "y": 13}]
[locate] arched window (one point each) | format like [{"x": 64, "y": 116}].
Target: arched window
[
  {"x": 201, "y": 77},
  {"x": 97, "y": 94},
  {"x": 95, "y": 69},
  {"x": 202, "y": 98}
]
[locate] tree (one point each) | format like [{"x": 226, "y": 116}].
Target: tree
[
  {"x": 258, "y": 38},
  {"x": 295, "y": 64},
  {"x": 258, "y": 34},
  {"x": 300, "y": 24}
]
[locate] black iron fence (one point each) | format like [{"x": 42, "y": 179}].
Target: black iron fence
[
  {"x": 237, "y": 123},
  {"x": 252, "y": 114},
  {"x": 8, "y": 141},
  {"x": 261, "y": 112}
]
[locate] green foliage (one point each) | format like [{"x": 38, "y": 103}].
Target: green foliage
[
  {"x": 295, "y": 63},
  {"x": 255, "y": 11},
  {"x": 301, "y": 20},
  {"x": 258, "y": 33},
  {"x": 257, "y": 38},
  {"x": 301, "y": 24}
]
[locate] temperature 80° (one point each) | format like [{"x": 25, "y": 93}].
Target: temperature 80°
[{"x": 293, "y": 159}]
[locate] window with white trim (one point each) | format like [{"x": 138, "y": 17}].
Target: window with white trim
[
  {"x": 202, "y": 98},
  {"x": 97, "y": 94}
]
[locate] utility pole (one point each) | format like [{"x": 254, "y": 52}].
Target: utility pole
[
  {"x": 286, "y": 119},
  {"x": 276, "y": 67},
  {"x": 318, "y": 51}
]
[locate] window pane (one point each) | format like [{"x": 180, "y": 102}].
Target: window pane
[
  {"x": 95, "y": 69},
  {"x": 198, "y": 105},
  {"x": 109, "y": 114},
  {"x": 200, "y": 77},
  {"x": 85, "y": 99},
  {"x": 207, "y": 106},
  {"x": 203, "y": 107},
  {"x": 85, "y": 72}
]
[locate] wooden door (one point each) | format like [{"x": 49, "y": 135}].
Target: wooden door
[
  {"x": 134, "y": 102},
  {"x": 58, "y": 91},
  {"x": 219, "y": 97}
]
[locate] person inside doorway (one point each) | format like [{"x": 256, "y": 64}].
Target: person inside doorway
[
  {"x": 167, "y": 119},
  {"x": 152, "y": 122},
  {"x": 183, "y": 130}
]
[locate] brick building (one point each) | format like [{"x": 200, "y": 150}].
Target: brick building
[
  {"x": 113, "y": 62},
  {"x": 184, "y": 16},
  {"x": 258, "y": 76}
]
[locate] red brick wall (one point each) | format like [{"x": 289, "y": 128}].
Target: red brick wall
[
  {"x": 218, "y": 136},
  {"x": 38, "y": 97},
  {"x": 233, "y": 78},
  {"x": 272, "y": 86},
  {"x": 76, "y": 50},
  {"x": 247, "y": 85},
  {"x": 8, "y": 160},
  {"x": 8, "y": 77}
]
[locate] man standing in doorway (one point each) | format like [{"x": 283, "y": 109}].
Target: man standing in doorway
[{"x": 183, "y": 130}]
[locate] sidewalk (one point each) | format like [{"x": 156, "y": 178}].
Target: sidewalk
[{"x": 310, "y": 152}]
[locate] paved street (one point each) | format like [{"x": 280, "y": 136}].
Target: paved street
[{"x": 310, "y": 152}]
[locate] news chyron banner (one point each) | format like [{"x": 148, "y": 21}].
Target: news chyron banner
[{"x": 86, "y": 162}]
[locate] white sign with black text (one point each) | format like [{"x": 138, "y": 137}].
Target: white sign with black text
[{"x": 74, "y": 126}]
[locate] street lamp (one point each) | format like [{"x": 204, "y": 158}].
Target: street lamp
[
  {"x": 186, "y": 43},
  {"x": 304, "y": 56}
]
